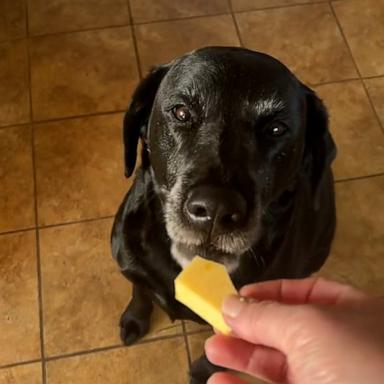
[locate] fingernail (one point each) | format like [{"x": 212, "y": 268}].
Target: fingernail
[{"x": 232, "y": 305}]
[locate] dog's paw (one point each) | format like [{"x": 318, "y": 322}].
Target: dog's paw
[
  {"x": 194, "y": 380},
  {"x": 132, "y": 328},
  {"x": 201, "y": 370},
  {"x": 198, "y": 375}
]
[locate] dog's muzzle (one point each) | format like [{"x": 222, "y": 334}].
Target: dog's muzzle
[{"x": 215, "y": 210}]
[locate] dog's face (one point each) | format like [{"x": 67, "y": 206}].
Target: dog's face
[{"x": 227, "y": 134}]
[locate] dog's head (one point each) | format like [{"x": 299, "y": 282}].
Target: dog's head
[{"x": 226, "y": 132}]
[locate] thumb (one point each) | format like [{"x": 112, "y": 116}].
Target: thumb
[{"x": 269, "y": 323}]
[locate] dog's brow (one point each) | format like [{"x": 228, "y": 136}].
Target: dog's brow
[
  {"x": 187, "y": 94},
  {"x": 267, "y": 106}
]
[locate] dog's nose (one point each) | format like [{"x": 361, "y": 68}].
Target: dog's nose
[{"x": 222, "y": 208}]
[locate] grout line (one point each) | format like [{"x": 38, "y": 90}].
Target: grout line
[
  {"x": 12, "y": 40},
  {"x": 337, "y": 1},
  {"x": 90, "y": 29},
  {"x": 373, "y": 106},
  {"x": 134, "y": 40},
  {"x": 57, "y": 224},
  {"x": 15, "y": 125},
  {"x": 12, "y": 365},
  {"x": 62, "y": 224},
  {"x": 113, "y": 347},
  {"x": 97, "y": 350},
  {"x": 39, "y": 282},
  {"x": 17, "y": 231},
  {"x": 334, "y": 82},
  {"x": 53, "y": 120},
  {"x": 131, "y": 23},
  {"x": 182, "y": 18},
  {"x": 186, "y": 343},
  {"x": 198, "y": 331},
  {"x": 75, "y": 222},
  {"x": 371, "y": 77},
  {"x": 282, "y": 6},
  {"x": 38, "y": 261},
  {"x": 26, "y": 9},
  {"x": 235, "y": 23},
  {"x": 112, "y": 216},
  {"x": 57, "y": 119},
  {"x": 103, "y": 349},
  {"x": 358, "y": 178},
  {"x": 85, "y": 352},
  {"x": 357, "y": 68}
]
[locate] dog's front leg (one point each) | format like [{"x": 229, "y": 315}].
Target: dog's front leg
[
  {"x": 202, "y": 369},
  {"x": 135, "y": 320}
]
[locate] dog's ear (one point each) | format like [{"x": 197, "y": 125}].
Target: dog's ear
[
  {"x": 136, "y": 118},
  {"x": 320, "y": 149}
]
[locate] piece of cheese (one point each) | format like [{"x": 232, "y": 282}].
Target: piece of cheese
[{"x": 202, "y": 286}]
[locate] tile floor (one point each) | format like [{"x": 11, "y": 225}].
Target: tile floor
[{"x": 67, "y": 71}]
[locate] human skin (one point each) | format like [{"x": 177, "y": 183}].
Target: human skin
[{"x": 308, "y": 331}]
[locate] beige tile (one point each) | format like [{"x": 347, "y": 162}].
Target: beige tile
[
  {"x": 51, "y": 16},
  {"x": 161, "y": 325},
  {"x": 84, "y": 294},
  {"x": 191, "y": 326},
  {"x": 14, "y": 93},
  {"x": 247, "y": 5},
  {"x": 305, "y": 38},
  {"x": 12, "y": 19},
  {"x": 19, "y": 320},
  {"x": 355, "y": 129},
  {"x": 23, "y": 374},
  {"x": 363, "y": 24},
  {"x": 150, "y": 10},
  {"x": 196, "y": 344},
  {"x": 358, "y": 249},
  {"x": 83, "y": 72},
  {"x": 196, "y": 348},
  {"x": 161, "y": 42},
  {"x": 163, "y": 361},
  {"x": 79, "y": 168},
  {"x": 16, "y": 179},
  {"x": 376, "y": 91}
]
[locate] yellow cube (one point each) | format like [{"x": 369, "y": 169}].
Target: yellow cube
[{"x": 202, "y": 286}]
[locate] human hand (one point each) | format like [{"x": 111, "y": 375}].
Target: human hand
[{"x": 301, "y": 331}]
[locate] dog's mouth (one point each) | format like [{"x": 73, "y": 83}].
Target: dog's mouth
[
  {"x": 226, "y": 248},
  {"x": 184, "y": 254},
  {"x": 200, "y": 234}
]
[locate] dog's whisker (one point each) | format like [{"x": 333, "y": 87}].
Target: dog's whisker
[{"x": 255, "y": 256}]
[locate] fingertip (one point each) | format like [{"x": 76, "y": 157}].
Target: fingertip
[
  {"x": 208, "y": 342},
  {"x": 212, "y": 347},
  {"x": 246, "y": 289},
  {"x": 224, "y": 378},
  {"x": 213, "y": 379}
]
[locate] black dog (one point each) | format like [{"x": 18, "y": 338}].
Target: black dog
[{"x": 235, "y": 168}]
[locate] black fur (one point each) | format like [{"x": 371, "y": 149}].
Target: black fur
[{"x": 286, "y": 181}]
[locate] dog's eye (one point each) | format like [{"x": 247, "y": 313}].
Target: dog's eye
[
  {"x": 276, "y": 130},
  {"x": 181, "y": 113}
]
